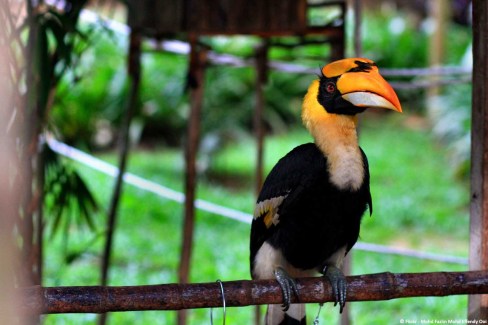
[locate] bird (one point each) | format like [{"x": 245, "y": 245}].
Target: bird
[{"x": 308, "y": 212}]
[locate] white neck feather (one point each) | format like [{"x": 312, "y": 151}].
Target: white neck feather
[{"x": 339, "y": 143}]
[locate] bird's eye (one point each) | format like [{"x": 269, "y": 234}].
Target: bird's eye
[{"x": 330, "y": 87}]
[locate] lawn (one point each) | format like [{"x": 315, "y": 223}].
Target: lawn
[{"x": 417, "y": 204}]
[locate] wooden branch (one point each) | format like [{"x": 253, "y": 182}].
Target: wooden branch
[{"x": 381, "y": 286}]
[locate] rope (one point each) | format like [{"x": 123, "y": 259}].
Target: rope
[
  {"x": 170, "y": 194},
  {"x": 141, "y": 183}
]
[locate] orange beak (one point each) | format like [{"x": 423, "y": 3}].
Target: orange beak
[{"x": 363, "y": 88}]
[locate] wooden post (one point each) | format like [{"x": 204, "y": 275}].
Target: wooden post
[
  {"x": 439, "y": 14},
  {"x": 478, "y": 255},
  {"x": 345, "y": 317},
  {"x": 11, "y": 189},
  {"x": 357, "y": 37},
  {"x": 261, "y": 66},
  {"x": 338, "y": 44},
  {"x": 196, "y": 76}
]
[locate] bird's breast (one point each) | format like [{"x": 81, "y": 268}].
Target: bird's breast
[{"x": 346, "y": 167}]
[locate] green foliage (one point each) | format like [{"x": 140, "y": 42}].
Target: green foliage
[
  {"x": 450, "y": 115},
  {"x": 412, "y": 185},
  {"x": 53, "y": 45},
  {"x": 69, "y": 202},
  {"x": 230, "y": 100},
  {"x": 405, "y": 43},
  {"x": 92, "y": 98},
  {"x": 393, "y": 41},
  {"x": 94, "y": 90},
  {"x": 164, "y": 104}
]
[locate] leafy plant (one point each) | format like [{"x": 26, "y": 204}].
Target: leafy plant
[
  {"x": 94, "y": 90},
  {"x": 450, "y": 115},
  {"x": 69, "y": 201}
]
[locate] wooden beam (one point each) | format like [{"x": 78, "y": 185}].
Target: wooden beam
[
  {"x": 478, "y": 256},
  {"x": 372, "y": 287}
]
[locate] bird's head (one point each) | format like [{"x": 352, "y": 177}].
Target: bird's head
[{"x": 345, "y": 88}]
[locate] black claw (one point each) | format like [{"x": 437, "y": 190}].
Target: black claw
[
  {"x": 339, "y": 285},
  {"x": 287, "y": 284}
]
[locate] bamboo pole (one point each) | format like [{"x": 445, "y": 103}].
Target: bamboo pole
[
  {"x": 357, "y": 37},
  {"x": 439, "y": 10},
  {"x": 478, "y": 256},
  {"x": 196, "y": 74},
  {"x": 372, "y": 287},
  {"x": 10, "y": 186},
  {"x": 261, "y": 67},
  {"x": 338, "y": 43},
  {"x": 124, "y": 144},
  {"x": 29, "y": 136}
]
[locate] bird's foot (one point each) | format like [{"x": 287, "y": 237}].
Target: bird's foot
[
  {"x": 287, "y": 284},
  {"x": 338, "y": 283}
]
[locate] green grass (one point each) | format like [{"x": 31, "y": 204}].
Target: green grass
[{"x": 417, "y": 204}]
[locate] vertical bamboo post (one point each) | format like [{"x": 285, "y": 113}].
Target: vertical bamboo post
[
  {"x": 11, "y": 188},
  {"x": 439, "y": 14},
  {"x": 134, "y": 71},
  {"x": 338, "y": 44},
  {"x": 478, "y": 255},
  {"x": 196, "y": 74},
  {"x": 30, "y": 139},
  {"x": 261, "y": 67},
  {"x": 345, "y": 317},
  {"x": 357, "y": 37}
]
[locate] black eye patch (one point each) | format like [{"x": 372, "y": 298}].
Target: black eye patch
[{"x": 331, "y": 100}]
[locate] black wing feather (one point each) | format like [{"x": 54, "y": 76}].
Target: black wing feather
[
  {"x": 315, "y": 218},
  {"x": 289, "y": 177}
]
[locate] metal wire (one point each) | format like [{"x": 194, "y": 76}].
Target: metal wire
[
  {"x": 223, "y": 304},
  {"x": 316, "y": 320}
]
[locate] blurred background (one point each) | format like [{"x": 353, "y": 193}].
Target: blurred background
[{"x": 69, "y": 85}]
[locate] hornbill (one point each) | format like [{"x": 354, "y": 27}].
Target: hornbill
[{"x": 308, "y": 213}]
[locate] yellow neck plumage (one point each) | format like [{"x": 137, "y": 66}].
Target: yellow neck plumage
[{"x": 335, "y": 135}]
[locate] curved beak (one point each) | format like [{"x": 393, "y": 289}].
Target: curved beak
[{"x": 368, "y": 89}]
